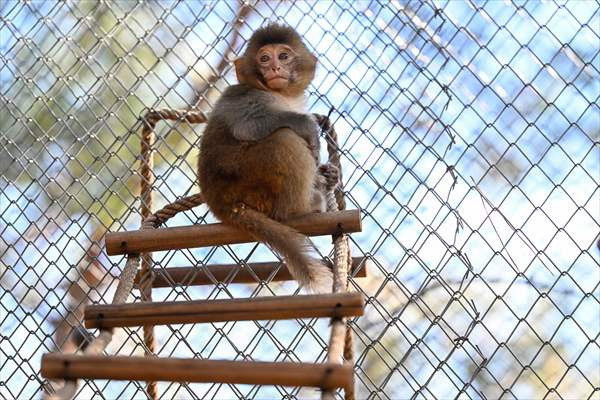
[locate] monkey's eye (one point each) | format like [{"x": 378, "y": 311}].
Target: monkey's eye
[
  {"x": 283, "y": 56},
  {"x": 264, "y": 58}
]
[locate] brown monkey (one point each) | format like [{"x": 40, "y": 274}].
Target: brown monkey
[{"x": 259, "y": 152}]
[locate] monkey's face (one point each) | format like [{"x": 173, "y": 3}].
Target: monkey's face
[
  {"x": 276, "y": 64},
  {"x": 276, "y": 60}
]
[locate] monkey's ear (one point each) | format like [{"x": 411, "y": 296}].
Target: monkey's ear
[{"x": 239, "y": 69}]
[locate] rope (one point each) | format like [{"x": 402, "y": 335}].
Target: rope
[
  {"x": 340, "y": 277},
  {"x": 341, "y": 339},
  {"x": 349, "y": 340},
  {"x": 334, "y": 155},
  {"x": 169, "y": 211},
  {"x": 153, "y": 116},
  {"x": 147, "y": 182}
]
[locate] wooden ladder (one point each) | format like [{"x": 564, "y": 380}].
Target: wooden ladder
[{"x": 328, "y": 376}]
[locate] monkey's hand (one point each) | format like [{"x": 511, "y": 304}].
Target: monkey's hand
[{"x": 331, "y": 175}]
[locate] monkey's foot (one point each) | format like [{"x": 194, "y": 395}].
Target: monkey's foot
[{"x": 331, "y": 175}]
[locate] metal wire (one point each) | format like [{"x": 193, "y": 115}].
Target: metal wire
[{"x": 468, "y": 136}]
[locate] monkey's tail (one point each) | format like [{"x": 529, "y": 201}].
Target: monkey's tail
[{"x": 293, "y": 246}]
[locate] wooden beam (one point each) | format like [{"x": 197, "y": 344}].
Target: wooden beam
[
  {"x": 252, "y": 273},
  {"x": 72, "y": 366},
  {"x": 258, "y": 308},
  {"x": 148, "y": 240}
]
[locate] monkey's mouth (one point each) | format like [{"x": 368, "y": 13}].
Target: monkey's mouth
[
  {"x": 277, "y": 82},
  {"x": 272, "y": 78}
]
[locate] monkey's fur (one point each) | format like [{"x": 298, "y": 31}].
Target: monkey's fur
[{"x": 259, "y": 154}]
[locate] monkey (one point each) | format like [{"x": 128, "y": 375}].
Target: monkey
[{"x": 259, "y": 152}]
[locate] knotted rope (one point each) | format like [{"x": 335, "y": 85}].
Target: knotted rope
[{"x": 341, "y": 340}]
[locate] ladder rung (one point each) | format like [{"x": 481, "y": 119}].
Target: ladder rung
[
  {"x": 254, "y": 272},
  {"x": 71, "y": 366},
  {"x": 147, "y": 240},
  {"x": 259, "y": 308}
]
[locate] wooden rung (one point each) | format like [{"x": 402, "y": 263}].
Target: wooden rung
[
  {"x": 147, "y": 240},
  {"x": 71, "y": 366},
  {"x": 192, "y": 276},
  {"x": 258, "y": 308}
]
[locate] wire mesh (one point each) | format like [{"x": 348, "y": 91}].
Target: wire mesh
[{"x": 469, "y": 138}]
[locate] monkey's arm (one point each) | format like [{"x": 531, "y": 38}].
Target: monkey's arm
[
  {"x": 251, "y": 116},
  {"x": 258, "y": 125}
]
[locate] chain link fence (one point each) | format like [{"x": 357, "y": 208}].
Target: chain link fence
[{"x": 469, "y": 137}]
